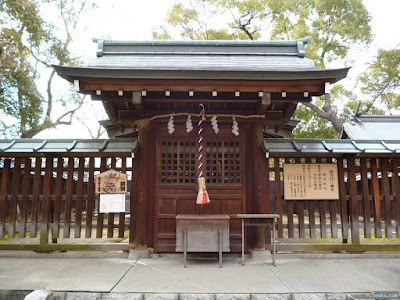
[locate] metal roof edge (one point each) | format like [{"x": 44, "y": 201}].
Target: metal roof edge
[
  {"x": 228, "y": 43},
  {"x": 69, "y": 145},
  {"x": 116, "y": 73},
  {"x": 298, "y": 43},
  {"x": 330, "y": 146}
]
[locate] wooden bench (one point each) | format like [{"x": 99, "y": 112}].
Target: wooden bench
[
  {"x": 259, "y": 220},
  {"x": 202, "y": 233}
]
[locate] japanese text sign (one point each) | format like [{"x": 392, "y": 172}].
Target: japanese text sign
[
  {"x": 310, "y": 182},
  {"x": 111, "y": 182}
]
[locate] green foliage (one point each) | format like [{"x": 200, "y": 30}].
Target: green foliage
[
  {"x": 312, "y": 126},
  {"x": 382, "y": 79},
  {"x": 30, "y": 45},
  {"x": 332, "y": 25}
]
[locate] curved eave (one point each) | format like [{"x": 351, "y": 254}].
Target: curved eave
[
  {"x": 28, "y": 146},
  {"x": 333, "y": 75}
]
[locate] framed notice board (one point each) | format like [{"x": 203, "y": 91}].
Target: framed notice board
[{"x": 310, "y": 182}]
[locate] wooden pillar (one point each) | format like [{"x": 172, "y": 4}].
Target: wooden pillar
[
  {"x": 142, "y": 189},
  {"x": 259, "y": 183}
]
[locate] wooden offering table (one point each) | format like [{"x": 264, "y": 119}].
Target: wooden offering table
[
  {"x": 259, "y": 220},
  {"x": 202, "y": 233}
]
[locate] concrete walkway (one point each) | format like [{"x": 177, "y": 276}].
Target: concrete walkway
[{"x": 336, "y": 274}]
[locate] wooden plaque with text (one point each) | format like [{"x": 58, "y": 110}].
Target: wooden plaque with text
[
  {"x": 111, "y": 182},
  {"x": 310, "y": 182}
]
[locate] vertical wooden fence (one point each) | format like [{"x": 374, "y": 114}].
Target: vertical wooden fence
[
  {"x": 51, "y": 197},
  {"x": 369, "y": 204},
  {"x": 54, "y": 197}
]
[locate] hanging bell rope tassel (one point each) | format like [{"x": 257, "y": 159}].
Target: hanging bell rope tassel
[{"x": 202, "y": 196}]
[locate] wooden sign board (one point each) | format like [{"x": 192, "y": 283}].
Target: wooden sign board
[
  {"x": 310, "y": 182},
  {"x": 112, "y": 203},
  {"x": 111, "y": 182}
]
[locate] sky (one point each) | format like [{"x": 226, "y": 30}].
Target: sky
[{"x": 134, "y": 20}]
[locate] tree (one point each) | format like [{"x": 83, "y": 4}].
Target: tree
[
  {"x": 315, "y": 126},
  {"x": 332, "y": 25},
  {"x": 382, "y": 80},
  {"x": 30, "y": 45}
]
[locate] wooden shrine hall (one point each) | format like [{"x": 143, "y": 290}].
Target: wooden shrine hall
[{"x": 152, "y": 90}]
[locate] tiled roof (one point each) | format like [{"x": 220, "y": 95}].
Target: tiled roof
[
  {"x": 251, "y": 60},
  {"x": 125, "y": 145},
  {"x": 331, "y": 147}
]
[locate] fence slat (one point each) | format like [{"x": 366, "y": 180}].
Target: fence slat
[
  {"x": 332, "y": 212},
  {"x": 343, "y": 200},
  {"x": 132, "y": 210},
  {"x": 15, "y": 182},
  {"x": 100, "y": 217},
  {"x": 386, "y": 193},
  {"x": 268, "y": 233},
  {"x": 290, "y": 212},
  {"x": 300, "y": 213},
  {"x": 322, "y": 216},
  {"x": 311, "y": 212},
  {"x": 68, "y": 199},
  {"x": 79, "y": 193},
  {"x": 365, "y": 192},
  {"x": 377, "y": 201},
  {"x": 110, "y": 229},
  {"x": 90, "y": 200},
  {"x": 3, "y": 195},
  {"x": 57, "y": 201},
  {"x": 121, "y": 218},
  {"x": 37, "y": 179},
  {"x": 24, "y": 200},
  {"x": 396, "y": 192},
  {"x": 45, "y": 214},
  {"x": 278, "y": 196},
  {"x": 355, "y": 232}
]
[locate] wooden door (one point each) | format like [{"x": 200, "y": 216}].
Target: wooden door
[{"x": 176, "y": 181}]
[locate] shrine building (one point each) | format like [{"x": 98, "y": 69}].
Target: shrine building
[{"x": 152, "y": 91}]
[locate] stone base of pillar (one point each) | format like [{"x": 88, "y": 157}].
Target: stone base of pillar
[
  {"x": 138, "y": 254},
  {"x": 260, "y": 254}
]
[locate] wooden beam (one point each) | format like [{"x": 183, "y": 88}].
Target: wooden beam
[
  {"x": 59, "y": 247},
  {"x": 172, "y": 100},
  {"x": 300, "y": 86},
  {"x": 336, "y": 247},
  {"x": 184, "y": 96},
  {"x": 136, "y": 98},
  {"x": 265, "y": 102}
]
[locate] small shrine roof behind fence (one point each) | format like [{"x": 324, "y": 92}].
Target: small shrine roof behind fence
[{"x": 373, "y": 127}]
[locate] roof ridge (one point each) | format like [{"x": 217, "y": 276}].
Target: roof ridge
[{"x": 116, "y": 45}]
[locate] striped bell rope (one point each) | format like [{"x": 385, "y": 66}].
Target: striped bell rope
[{"x": 202, "y": 196}]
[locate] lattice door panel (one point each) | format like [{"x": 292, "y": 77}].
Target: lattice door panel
[
  {"x": 178, "y": 162},
  {"x": 223, "y": 162}
]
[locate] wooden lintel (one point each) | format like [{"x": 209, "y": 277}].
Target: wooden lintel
[
  {"x": 171, "y": 100},
  {"x": 278, "y": 86}
]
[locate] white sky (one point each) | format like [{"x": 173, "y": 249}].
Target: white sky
[{"x": 134, "y": 20}]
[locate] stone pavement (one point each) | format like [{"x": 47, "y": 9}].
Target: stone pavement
[{"x": 77, "y": 276}]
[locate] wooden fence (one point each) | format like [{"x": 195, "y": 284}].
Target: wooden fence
[
  {"x": 369, "y": 204},
  {"x": 52, "y": 197},
  {"x": 55, "y": 197}
]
